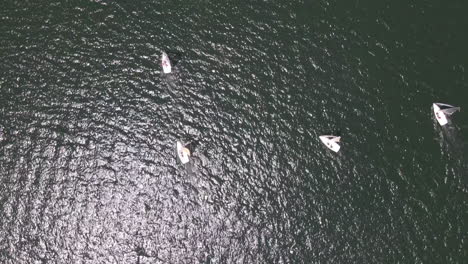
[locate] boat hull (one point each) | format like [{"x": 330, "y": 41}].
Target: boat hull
[
  {"x": 330, "y": 143},
  {"x": 439, "y": 115},
  {"x": 166, "y": 63},
  {"x": 183, "y": 155}
]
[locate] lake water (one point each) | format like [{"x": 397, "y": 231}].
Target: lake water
[{"x": 88, "y": 169}]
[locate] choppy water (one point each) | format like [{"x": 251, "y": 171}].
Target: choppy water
[{"x": 88, "y": 166}]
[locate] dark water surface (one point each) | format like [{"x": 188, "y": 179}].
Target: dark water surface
[{"x": 87, "y": 160}]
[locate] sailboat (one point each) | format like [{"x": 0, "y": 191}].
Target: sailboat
[
  {"x": 166, "y": 63},
  {"x": 183, "y": 153},
  {"x": 443, "y": 111},
  {"x": 331, "y": 142}
]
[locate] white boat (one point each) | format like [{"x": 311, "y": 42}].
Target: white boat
[
  {"x": 166, "y": 63},
  {"x": 183, "y": 153},
  {"x": 331, "y": 142},
  {"x": 443, "y": 111}
]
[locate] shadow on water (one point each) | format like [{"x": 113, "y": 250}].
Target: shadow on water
[
  {"x": 192, "y": 144},
  {"x": 175, "y": 57}
]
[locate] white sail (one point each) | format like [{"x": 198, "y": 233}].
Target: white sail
[
  {"x": 450, "y": 111},
  {"x": 441, "y": 105}
]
